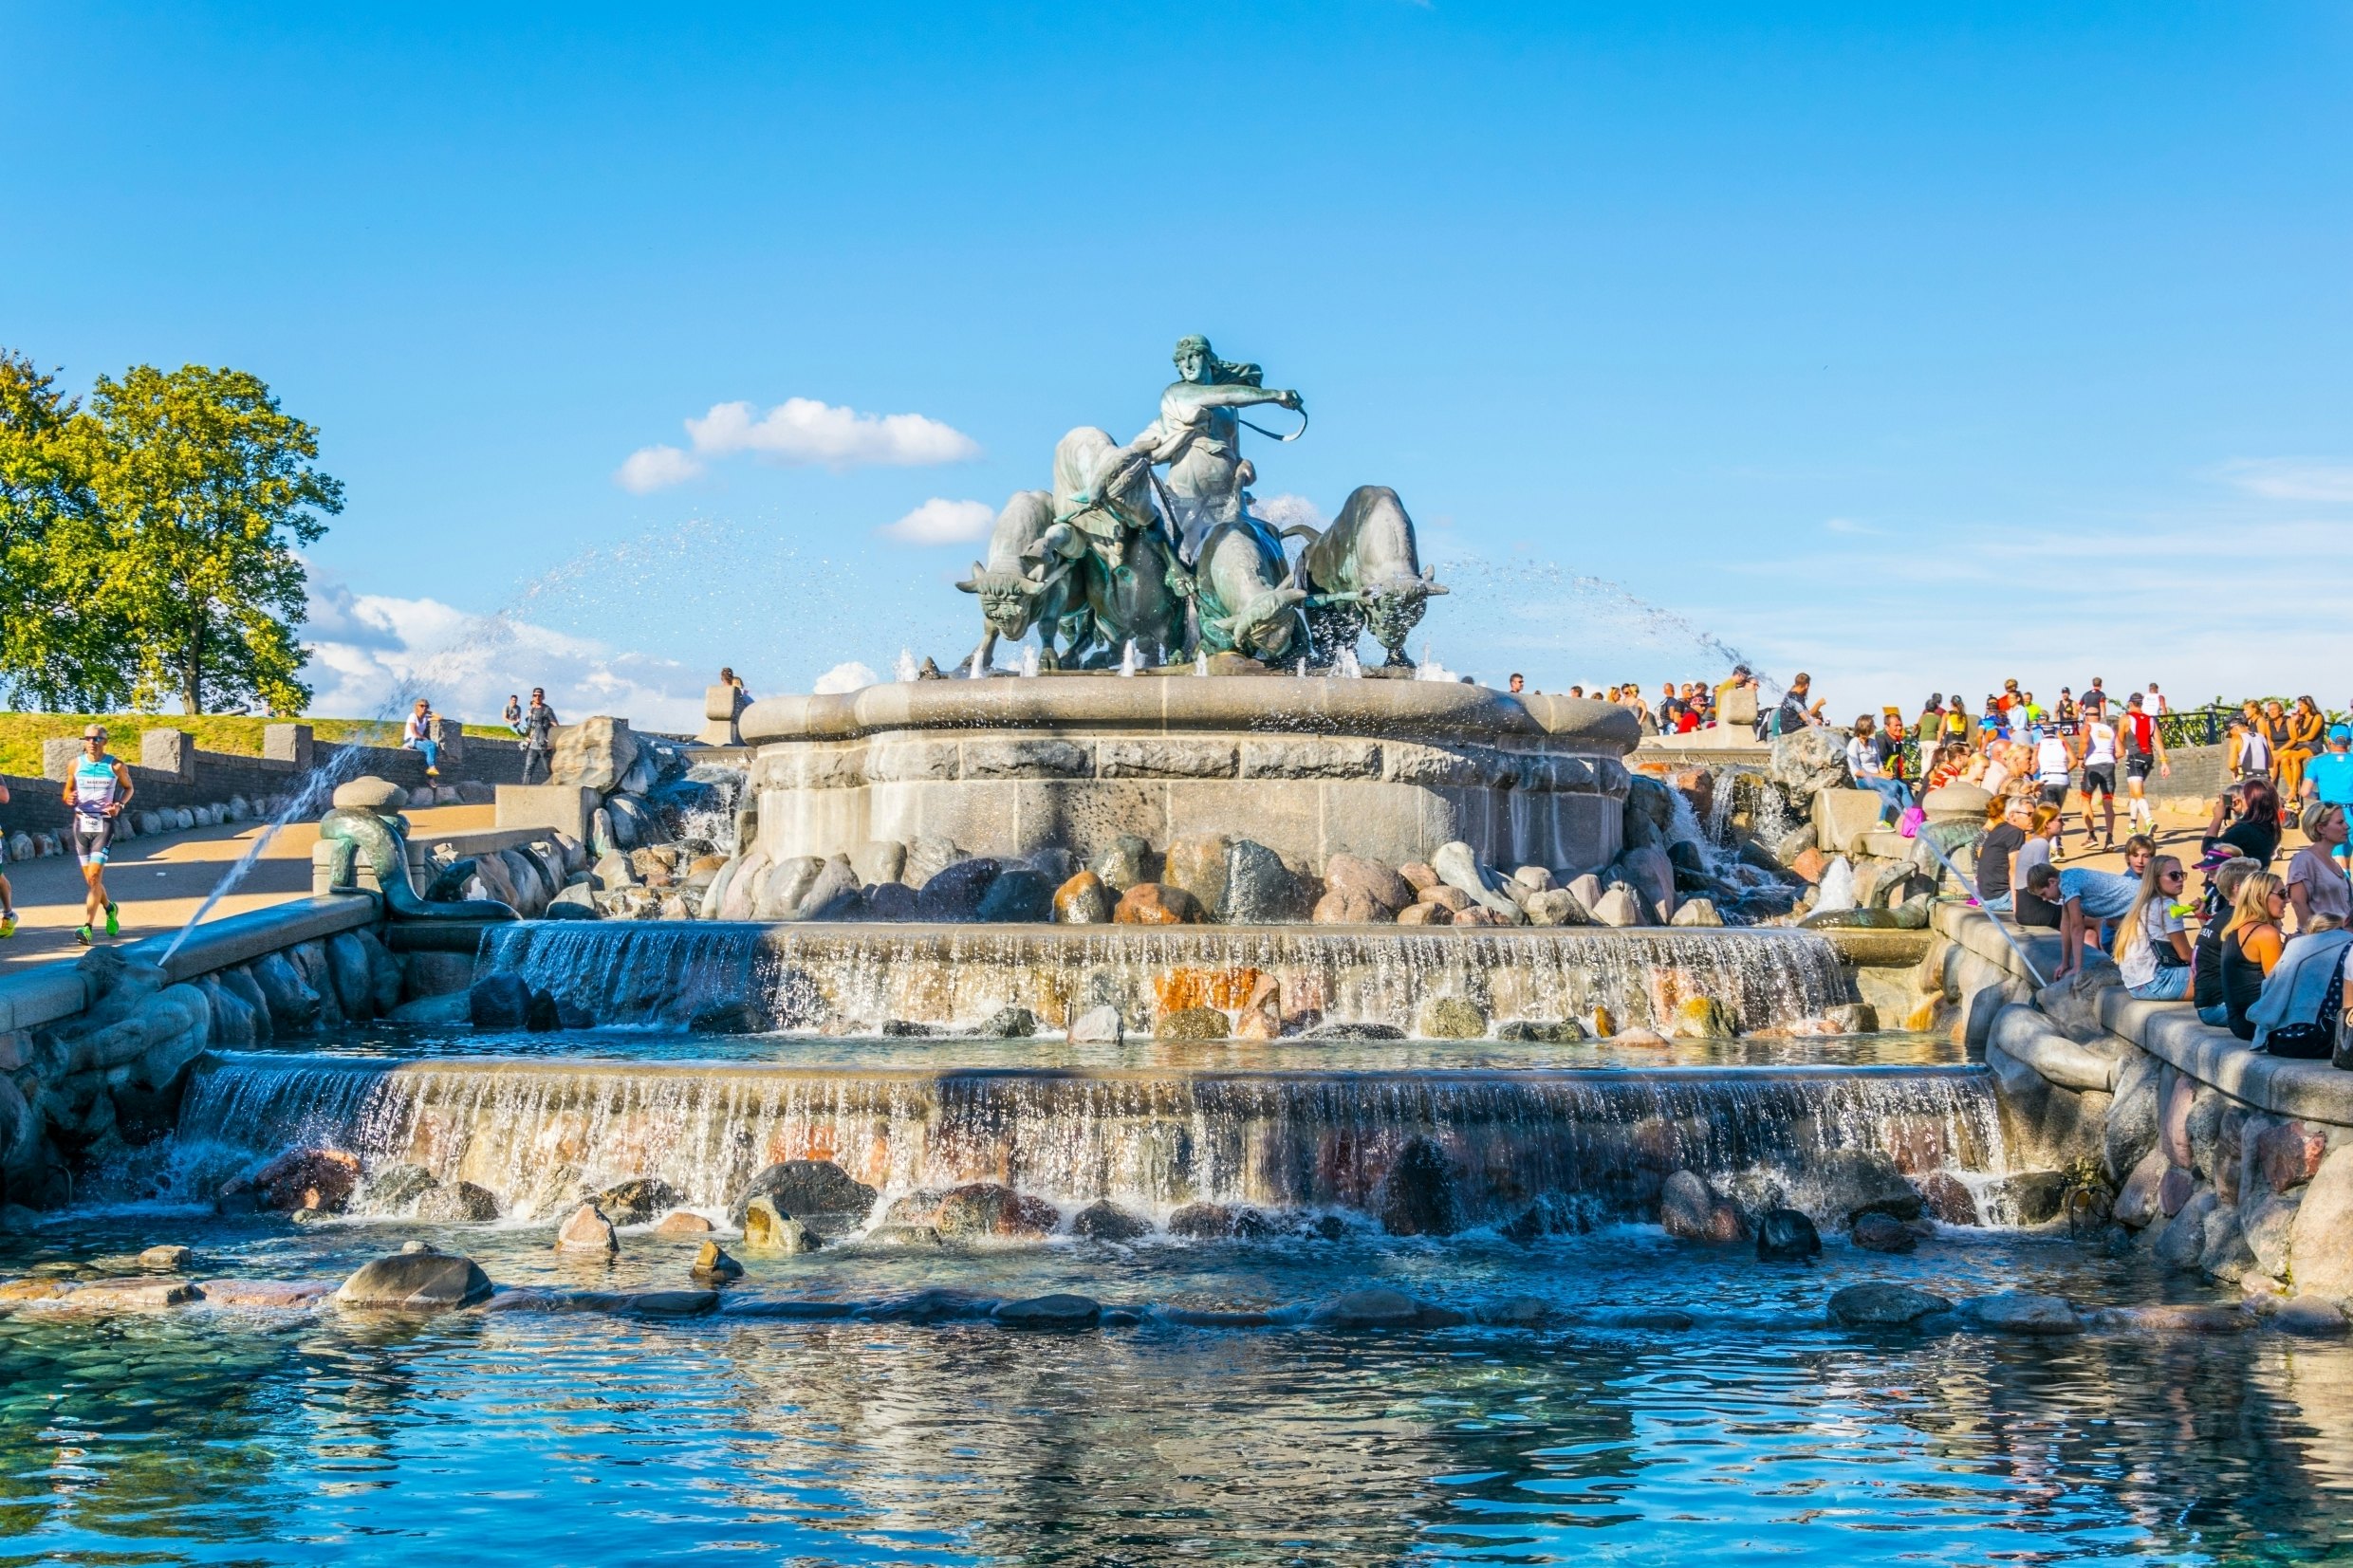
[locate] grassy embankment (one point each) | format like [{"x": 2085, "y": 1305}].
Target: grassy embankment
[{"x": 20, "y": 735}]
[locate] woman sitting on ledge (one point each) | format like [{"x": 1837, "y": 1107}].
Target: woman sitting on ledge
[
  {"x": 2153, "y": 945},
  {"x": 2296, "y": 1015},
  {"x": 2250, "y": 947}
]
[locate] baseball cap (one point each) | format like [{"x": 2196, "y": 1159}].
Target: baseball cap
[{"x": 2341, "y": 733}]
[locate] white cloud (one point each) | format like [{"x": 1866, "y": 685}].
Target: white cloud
[
  {"x": 942, "y": 521},
  {"x": 1847, "y": 524},
  {"x": 796, "y": 433},
  {"x": 845, "y": 677},
  {"x": 652, "y": 468},
  {"x": 2290, "y": 478},
  {"x": 370, "y": 655},
  {"x": 1287, "y": 510}
]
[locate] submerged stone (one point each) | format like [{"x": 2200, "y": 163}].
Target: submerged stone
[
  {"x": 586, "y": 1231},
  {"x": 1208, "y": 1222},
  {"x": 768, "y": 1228},
  {"x": 1419, "y": 1198},
  {"x": 1785, "y": 1235},
  {"x": 1878, "y": 1232},
  {"x": 1880, "y": 1305},
  {"x": 1382, "y": 1308},
  {"x": 637, "y": 1200},
  {"x": 2023, "y": 1312},
  {"x": 989, "y": 1208},
  {"x": 416, "y": 1282},
  {"x": 1049, "y": 1312}
]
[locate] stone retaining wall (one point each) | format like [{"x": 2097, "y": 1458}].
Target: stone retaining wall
[{"x": 2217, "y": 1158}]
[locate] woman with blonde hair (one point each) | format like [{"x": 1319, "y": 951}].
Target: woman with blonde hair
[
  {"x": 2251, "y": 946},
  {"x": 2153, "y": 944}
]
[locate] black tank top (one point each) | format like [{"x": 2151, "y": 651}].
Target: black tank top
[{"x": 2242, "y": 982}]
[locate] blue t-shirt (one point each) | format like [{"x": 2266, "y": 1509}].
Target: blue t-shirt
[{"x": 2331, "y": 773}]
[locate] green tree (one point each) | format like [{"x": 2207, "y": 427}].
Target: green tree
[
  {"x": 62, "y": 643},
  {"x": 205, "y": 489}
]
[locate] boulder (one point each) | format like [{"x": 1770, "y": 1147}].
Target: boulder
[
  {"x": 1689, "y": 1209},
  {"x": 1156, "y": 904},
  {"x": 1105, "y": 1221},
  {"x": 294, "y": 1007},
  {"x": 1702, "y": 1017},
  {"x": 167, "y": 1257},
  {"x": 2310, "y": 1318},
  {"x": 458, "y": 1202},
  {"x": 1123, "y": 864},
  {"x": 2321, "y": 1238},
  {"x": 1453, "y": 900},
  {"x": 684, "y": 1222},
  {"x": 2023, "y": 1312},
  {"x": 1197, "y": 864},
  {"x": 1563, "y": 1031},
  {"x": 1019, "y": 895},
  {"x": 1049, "y": 1312},
  {"x": 499, "y": 1000},
  {"x": 1458, "y": 866},
  {"x": 956, "y": 891},
  {"x": 928, "y": 854},
  {"x": 769, "y": 1228},
  {"x": 834, "y": 894},
  {"x": 1651, "y": 875},
  {"x": 349, "y": 972},
  {"x": 587, "y": 1232},
  {"x": 1619, "y": 907},
  {"x": 1880, "y": 1305},
  {"x": 315, "y": 1180},
  {"x": 1009, "y": 1022},
  {"x": 1369, "y": 878},
  {"x": 780, "y": 890},
  {"x": 1877, "y": 1232},
  {"x": 817, "y": 1190},
  {"x": 1784, "y": 1235},
  {"x": 1418, "y": 875},
  {"x": 1854, "y": 1182},
  {"x": 1588, "y": 891},
  {"x": 1807, "y": 761},
  {"x": 423, "y": 1280},
  {"x": 1349, "y": 906},
  {"x": 1554, "y": 907},
  {"x": 988, "y": 1209},
  {"x": 1259, "y": 889},
  {"x": 1210, "y": 1221},
  {"x": 1056, "y": 864},
  {"x": 1096, "y": 1027},
  {"x": 712, "y": 1266},
  {"x": 2130, "y": 1132},
  {"x": 593, "y": 754},
  {"x": 365, "y": 793},
  {"x": 1696, "y": 912},
  {"x": 1083, "y": 900},
  {"x": 1425, "y": 914},
  {"x": 2288, "y": 1155},
  {"x": 1452, "y": 1018},
  {"x": 1419, "y": 1198},
  {"x": 893, "y": 901},
  {"x": 1194, "y": 1024},
  {"x": 637, "y": 1200}
]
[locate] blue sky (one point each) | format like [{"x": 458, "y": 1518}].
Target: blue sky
[{"x": 1917, "y": 347}]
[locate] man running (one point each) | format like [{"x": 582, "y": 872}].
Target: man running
[
  {"x": 98, "y": 789},
  {"x": 2144, "y": 747},
  {"x": 7, "y": 895},
  {"x": 539, "y": 733},
  {"x": 2054, "y": 760},
  {"x": 2099, "y": 751}
]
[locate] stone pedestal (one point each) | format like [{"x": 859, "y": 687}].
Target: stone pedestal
[
  {"x": 287, "y": 743},
  {"x": 1310, "y": 768},
  {"x": 564, "y": 807},
  {"x": 1735, "y": 707},
  {"x": 172, "y": 751}
]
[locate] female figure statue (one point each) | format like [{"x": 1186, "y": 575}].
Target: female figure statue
[{"x": 1198, "y": 437}]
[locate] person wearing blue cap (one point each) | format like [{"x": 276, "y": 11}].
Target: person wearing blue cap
[{"x": 2329, "y": 778}]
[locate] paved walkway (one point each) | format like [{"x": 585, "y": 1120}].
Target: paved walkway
[{"x": 161, "y": 881}]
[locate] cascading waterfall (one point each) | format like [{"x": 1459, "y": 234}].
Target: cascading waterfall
[
  {"x": 852, "y": 980},
  {"x": 539, "y": 1136}
]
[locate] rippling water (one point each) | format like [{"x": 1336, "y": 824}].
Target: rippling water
[{"x": 1755, "y": 1434}]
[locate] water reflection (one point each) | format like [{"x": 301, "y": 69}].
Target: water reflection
[{"x": 219, "y": 1436}]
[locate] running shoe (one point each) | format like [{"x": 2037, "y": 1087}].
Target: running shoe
[
  {"x": 8, "y": 924},
  {"x": 82, "y": 936},
  {"x": 114, "y": 922}
]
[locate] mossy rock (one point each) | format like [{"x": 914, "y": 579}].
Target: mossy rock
[
  {"x": 1453, "y": 1017},
  {"x": 1703, "y": 1018},
  {"x": 1193, "y": 1024}
]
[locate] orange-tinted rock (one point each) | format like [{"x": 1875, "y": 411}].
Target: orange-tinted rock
[
  {"x": 309, "y": 1178},
  {"x": 1180, "y": 988},
  {"x": 1474, "y": 915},
  {"x": 1156, "y": 904},
  {"x": 1418, "y": 873},
  {"x": 683, "y": 1222},
  {"x": 1425, "y": 914},
  {"x": 1810, "y": 864},
  {"x": 1454, "y": 899},
  {"x": 1083, "y": 902}
]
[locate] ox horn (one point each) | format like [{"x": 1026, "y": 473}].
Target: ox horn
[{"x": 971, "y": 584}]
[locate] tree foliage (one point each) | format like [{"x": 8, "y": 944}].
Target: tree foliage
[
  {"x": 148, "y": 541},
  {"x": 59, "y": 645}
]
